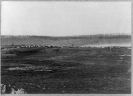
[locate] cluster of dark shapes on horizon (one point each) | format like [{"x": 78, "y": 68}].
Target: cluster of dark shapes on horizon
[
  {"x": 98, "y": 36},
  {"x": 33, "y": 46},
  {"x": 48, "y": 46},
  {"x": 11, "y": 49}
]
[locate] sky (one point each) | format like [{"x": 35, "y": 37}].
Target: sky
[{"x": 64, "y": 18}]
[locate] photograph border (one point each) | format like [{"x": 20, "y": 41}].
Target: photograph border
[{"x": 76, "y": 94}]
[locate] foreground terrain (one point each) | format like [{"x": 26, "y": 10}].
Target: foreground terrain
[{"x": 90, "y": 70}]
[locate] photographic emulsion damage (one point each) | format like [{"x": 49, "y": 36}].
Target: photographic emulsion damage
[{"x": 66, "y": 47}]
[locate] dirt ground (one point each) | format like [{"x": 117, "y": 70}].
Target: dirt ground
[{"x": 69, "y": 70}]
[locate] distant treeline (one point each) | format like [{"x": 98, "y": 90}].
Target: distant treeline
[
  {"x": 67, "y": 40},
  {"x": 100, "y": 36}
]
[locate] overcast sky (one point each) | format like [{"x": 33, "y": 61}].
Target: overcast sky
[{"x": 64, "y": 18}]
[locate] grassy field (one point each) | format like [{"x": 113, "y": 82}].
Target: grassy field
[{"x": 69, "y": 70}]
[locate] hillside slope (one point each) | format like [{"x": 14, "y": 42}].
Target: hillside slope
[{"x": 68, "y": 40}]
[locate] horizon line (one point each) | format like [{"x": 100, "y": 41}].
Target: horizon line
[{"x": 74, "y": 35}]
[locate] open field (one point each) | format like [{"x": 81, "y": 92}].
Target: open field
[{"x": 92, "y": 70}]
